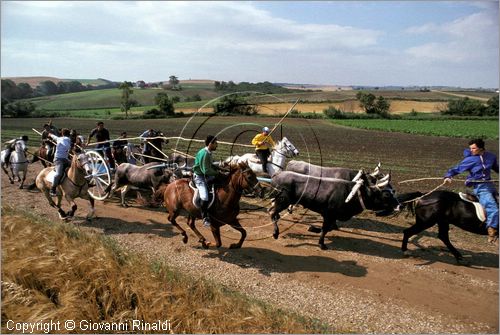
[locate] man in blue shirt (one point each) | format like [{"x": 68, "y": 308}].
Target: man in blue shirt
[
  {"x": 479, "y": 163},
  {"x": 61, "y": 161}
]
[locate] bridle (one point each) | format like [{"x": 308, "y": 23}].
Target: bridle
[
  {"x": 287, "y": 150},
  {"x": 81, "y": 167},
  {"x": 242, "y": 176}
]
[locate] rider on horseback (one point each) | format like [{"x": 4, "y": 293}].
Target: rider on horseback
[
  {"x": 204, "y": 173},
  {"x": 49, "y": 144},
  {"x": 263, "y": 144},
  {"x": 61, "y": 161},
  {"x": 11, "y": 146},
  {"x": 479, "y": 163}
]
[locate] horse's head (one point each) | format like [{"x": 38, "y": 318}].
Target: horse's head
[
  {"x": 246, "y": 178},
  {"x": 20, "y": 147},
  {"x": 83, "y": 163},
  {"x": 287, "y": 148}
]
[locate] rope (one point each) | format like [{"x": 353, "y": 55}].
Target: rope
[
  {"x": 439, "y": 178},
  {"x": 425, "y": 193},
  {"x": 40, "y": 158}
]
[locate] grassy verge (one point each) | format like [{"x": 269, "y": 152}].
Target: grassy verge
[{"x": 67, "y": 274}]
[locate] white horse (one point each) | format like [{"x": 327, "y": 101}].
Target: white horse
[
  {"x": 73, "y": 185},
  {"x": 282, "y": 150},
  {"x": 17, "y": 162}
]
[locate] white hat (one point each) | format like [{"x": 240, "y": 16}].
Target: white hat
[{"x": 265, "y": 130}]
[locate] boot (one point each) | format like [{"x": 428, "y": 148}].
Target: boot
[
  {"x": 492, "y": 234},
  {"x": 204, "y": 213}
]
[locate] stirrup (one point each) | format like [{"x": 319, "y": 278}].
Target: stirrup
[{"x": 206, "y": 222}]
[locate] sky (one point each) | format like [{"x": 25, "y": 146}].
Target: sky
[{"x": 373, "y": 43}]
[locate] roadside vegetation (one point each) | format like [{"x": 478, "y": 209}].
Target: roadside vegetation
[{"x": 69, "y": 274}]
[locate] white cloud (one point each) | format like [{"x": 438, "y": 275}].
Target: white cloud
[
  {"x": 229, "y": 40},
  {"x": 468, "y": 39}
]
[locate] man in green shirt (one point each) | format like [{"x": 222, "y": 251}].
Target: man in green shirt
[{"x": 204, "y": 172}]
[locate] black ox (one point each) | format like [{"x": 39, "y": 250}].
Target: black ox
[
  {"x": 444, "y": 208},
  {"x": 334, "y": 199}
]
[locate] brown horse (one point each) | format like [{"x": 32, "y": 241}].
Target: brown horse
[
  {"x": 73, "y": 185},
  {"x": 42, "y": 155},
  {"x": 178, "y": 199}
]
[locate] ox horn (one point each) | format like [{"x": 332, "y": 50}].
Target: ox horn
[
  {"x": 384, "y": 181},
  {"x": 376, "y": 171},
  {"x": 360, "y": 173},
  {"x": 386, "y": 177},
  {"x": 355, "y": 189}
]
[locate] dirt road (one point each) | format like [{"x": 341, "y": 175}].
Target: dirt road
[{"x": 362, "y": 284}]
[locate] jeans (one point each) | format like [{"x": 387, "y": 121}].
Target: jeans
[
  {"x": 486, "y": 194},
  {"x": 61, "y": 164},
  {"x": 106, "y": 151},
  {"x": 201, "y": 183},
  {"x": 263, "y": 156}
]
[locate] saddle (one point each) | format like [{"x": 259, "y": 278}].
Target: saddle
[
  {"x": 255, "y": 159},
  {"x": 480, "y": 212},
  {"x": 51, "y": 175},
  {"x": 196, "y": 195}
]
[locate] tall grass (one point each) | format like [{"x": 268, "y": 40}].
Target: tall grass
[{"x": 53, "y": 271}]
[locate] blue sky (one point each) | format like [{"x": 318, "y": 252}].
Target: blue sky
[{"x": 376, "y": 43}]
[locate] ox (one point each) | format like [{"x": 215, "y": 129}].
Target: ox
[
  {"x": 332, "y": 172},
  {"x": 444, "y": 208},
  {"x": 334, "y": 199},
  {"x": 129, "y": 176}
]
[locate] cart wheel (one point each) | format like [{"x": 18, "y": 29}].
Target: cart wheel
[{"x": 100, "y": 178}]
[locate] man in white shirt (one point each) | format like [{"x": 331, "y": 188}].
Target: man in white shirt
[{"x": 61, "y": 161}]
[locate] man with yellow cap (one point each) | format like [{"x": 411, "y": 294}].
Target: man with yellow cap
[{"x": 263, "y": 144}]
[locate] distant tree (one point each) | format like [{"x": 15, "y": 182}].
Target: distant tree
[
  {"x": 465, "y": 107},
  {"x": 18, "y": 109},
  {"x": 47, "y": 87},
  {"x": 165, "y": 104},
  {"x": 366, "y": 101},
  {"x": 382, "y": 107},
  {"x": 173, "y": 84},
  {"x": 10, "y": 90},
  {"x": 234, "y": 104},
  {"x": 62, "y": 87},
  {"x": 75, "y": 86},
  {"x": 173, "y": 80},
  {"x": 25, "y": 90},
  {"x": 492, "y": 106},
  {"x": 373, "y": 105},
  {"x": 126, "y": 102}
]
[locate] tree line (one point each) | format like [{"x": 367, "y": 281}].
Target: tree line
[{"x": 12, "y": 91}]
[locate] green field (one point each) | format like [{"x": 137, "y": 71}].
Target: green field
[
  {"x": 110, "y": 98},
  {"x": 450, "y": 128}
]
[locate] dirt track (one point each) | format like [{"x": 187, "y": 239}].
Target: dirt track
[
  {"x": 362, "y": 284},
  {"x": 364, "y": 272}
]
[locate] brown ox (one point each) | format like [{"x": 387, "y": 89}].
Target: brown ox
[{"x": 178, "y": 199}]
